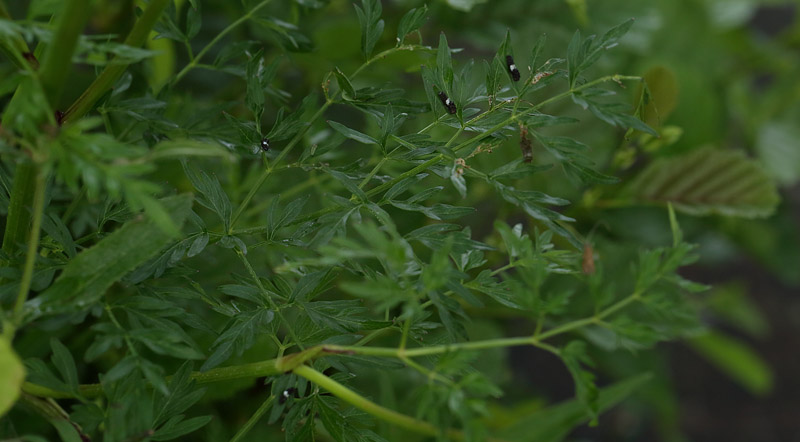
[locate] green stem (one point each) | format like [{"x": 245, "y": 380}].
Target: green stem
[
  {"x": 253, "y": 420},
  {"x": 18, "y": 216},
  {"x": 432, "y": 350},
  {"x": 591, "y": 320},
  {"x": 141, "y": 29},
  {"x": 364, "y": 404},
  {"x": 40, "y": 186},
  {"x": 193, "y": 63},
  {"x": 58, "y": 56}
]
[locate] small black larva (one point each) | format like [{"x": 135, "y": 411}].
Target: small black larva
[
  {"x": 289, "y": 392},
  {"x": 265, "y": 144},
  {"x": 512, "y": 68},
  {"x": 447, "y": 102}
]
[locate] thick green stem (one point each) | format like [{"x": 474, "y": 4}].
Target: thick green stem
[
  {"x": 18, "y": 217},
  {"x": 115, "y": 69},
  {"x": 58, "y": 56},
  {"x": 40, "y": 186}
]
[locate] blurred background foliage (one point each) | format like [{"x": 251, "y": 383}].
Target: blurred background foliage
[{"x": 724, "y": 75}]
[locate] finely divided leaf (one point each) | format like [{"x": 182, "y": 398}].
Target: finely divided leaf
[
  {"x": 86, "y": 278},
  {"x": 212, "y": 196},
  {"x": 410, "y": 22},
  {"x": 369, "y": 16},
  {"x": 239, "y": 336}
]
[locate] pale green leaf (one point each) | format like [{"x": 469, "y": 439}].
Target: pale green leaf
[
  {"x": 708, "y": 181},
  {"x": 736, "y": 359},
  {"x": 12, "y": 375}
]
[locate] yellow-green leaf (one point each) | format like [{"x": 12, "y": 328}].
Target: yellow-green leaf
[
  {"x": 12, "y": 374},
  {"x": 736, "y": 359},
  {"x": 663, "y": 88}
]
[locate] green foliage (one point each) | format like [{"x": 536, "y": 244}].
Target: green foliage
[{"x": 344, "y": 254}]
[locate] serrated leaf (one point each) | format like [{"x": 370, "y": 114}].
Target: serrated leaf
[
  {"x": 536, "y": 52},
  {"x": 12, "y": 375},
  {"x": 181, "y": 428},
  {"x": 64, "y": 363},
  {"x": 239, "y": 336},
  {"x": 411, "y": 21},
  {"x": 445, "y": 212},
  {"x": 212, "y": 195},
  {"x": 429, "y": 81},
  {"x": 574, "y": 57},
  {"x": 348, "y": 92},
  {"x": 607, "y": 41},
  {"x": 349, "y": 183},
  {"x": 583, "y": 53},
  {"x": 86, "y": 278},
  {"x": 254, "y": 96},
  {"x": 517, "y": 169},
  {"x": 499, "y": 291},
  {"x": 371, "y": 24},
  {"x": 708, "y": 181},
  {"x": 193, "y": 20},
  {"x": 587, "y": 175},
  {"x": 444, "y": 66}
]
